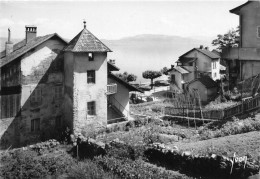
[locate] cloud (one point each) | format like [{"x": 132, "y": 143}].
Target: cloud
[{"x": 6, "y": 22}]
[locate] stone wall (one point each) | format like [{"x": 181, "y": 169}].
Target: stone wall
[
  {"x": 84, "y": 92},
  {"x": 210, "y": 165},
  {"x": 41, "y": 97}
]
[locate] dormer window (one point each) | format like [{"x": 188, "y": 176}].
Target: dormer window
[
  {"x": 258, "y": 31},
  {"x": 90, "y": 57}
]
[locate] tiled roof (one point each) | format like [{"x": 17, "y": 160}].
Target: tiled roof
[
  {"x": 112, "y": 67},
  {"x": 22, "y": 47},
  {"x": 127, "y": 85},
  {"x": 237, "y": 9},
  {"x": 181, "y": 70},
  {"x": 206, "y": 81},
  {"x": 208, "y": 53},
  {"x": 85, "y": 41},
  {"x": 186, "y": 59},
  {"x": 15, "y": 47}
]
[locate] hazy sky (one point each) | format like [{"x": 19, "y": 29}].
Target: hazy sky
[{"x": 117, "y": 19}]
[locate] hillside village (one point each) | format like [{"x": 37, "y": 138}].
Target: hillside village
[{"x": 67, "y": 112}]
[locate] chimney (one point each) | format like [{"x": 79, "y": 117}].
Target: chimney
[
  {"x": 201, "y": 46},
  {"x": 30, "y": 32},
  {"x": 112, "y": 61},
  {"x": 206, "y": 48},
  {"x": 9, "y": 44},
  {"x": 172, "y": 66}
]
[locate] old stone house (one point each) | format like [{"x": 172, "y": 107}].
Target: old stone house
[
  {"x": 243, "y": 61},
  {"x": 48, "y": 85},
  {"x": 194, "y": 64}
]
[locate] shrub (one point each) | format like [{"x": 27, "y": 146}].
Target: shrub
[
  {"x": 27, "y": 164},
  {"x": 137, "y": 169},
  {"x": 230, "y": 128},
  {"x": 89, "y": 169}
]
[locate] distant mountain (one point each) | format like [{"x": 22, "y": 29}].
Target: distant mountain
[
  {"x": 150, "y": 52},
  {"x": 146, "y": 52}
]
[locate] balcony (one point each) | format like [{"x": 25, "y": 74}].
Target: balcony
[
  {"x": 111, "y": 88},
  {"x": 241, "y": 53}
]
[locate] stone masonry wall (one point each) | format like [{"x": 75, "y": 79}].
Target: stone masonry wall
[{"x": 84, "y": 92}]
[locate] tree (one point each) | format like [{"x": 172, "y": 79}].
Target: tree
[
  {"x": 164, "y": 70},
  {"x": 230, "y": 39},
  {"x": 149, "y": 74},
  {"x": 126, "y": 77}
]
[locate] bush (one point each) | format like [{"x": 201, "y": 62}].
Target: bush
[
  {"x": 230, "y": 128},
  {"x": 27, "y": 164},
  {"x": 89, "y": 169},
  {"x": 134, "y": 169}
]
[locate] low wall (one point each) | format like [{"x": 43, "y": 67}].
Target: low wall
[{"x": 211, "y": 165}]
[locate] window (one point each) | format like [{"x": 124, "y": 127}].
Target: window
[
  {"x": 172, "y": 78},
  {"x": 215, "y": 75},
  {"x": 91, "y": 108},
  {"x": 36, "y": 96},
  {"x": 58, "y": 92},
  {"x": 258, "y": 31},
  {"x": 91, "y": 76},
  {"x": 35, "y": 125},
  {"x": 90, "y": 57},
  {"x": 190, "y": 64},
  {"x": 214, "y": 65}
]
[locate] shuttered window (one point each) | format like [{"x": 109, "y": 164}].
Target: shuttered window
[{"x": 35, "y": 125}]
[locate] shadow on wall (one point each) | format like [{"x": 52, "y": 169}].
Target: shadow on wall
[{"x": 38, "y": 115}]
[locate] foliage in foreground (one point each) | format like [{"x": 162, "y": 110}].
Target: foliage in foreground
[
  {"x": 29, "y": 164},
  {"x": 230, "y": 128},
  {"x": 136, "y": 169}
]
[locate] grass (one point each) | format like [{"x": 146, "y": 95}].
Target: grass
[{"x": 242, "y": 144}]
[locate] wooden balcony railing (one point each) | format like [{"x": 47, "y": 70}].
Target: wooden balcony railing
[{"x": 111, "y": 88}]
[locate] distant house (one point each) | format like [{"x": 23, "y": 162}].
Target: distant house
[
  {"x": 243, "y": 62},
  {"x": 193, "y": 64},
  {"x": 205, "y": 87},
  {"x": 48, "y": 85}
]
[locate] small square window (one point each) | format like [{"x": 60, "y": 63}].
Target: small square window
[
  {"x": 91, "y": 108},
  {"x": 35, "y": 125},
  {"x": 91, "y": 76},
  {"x": 90, "y": 57}
]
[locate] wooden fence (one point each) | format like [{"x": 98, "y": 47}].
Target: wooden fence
[{"x": 245, "y": 106}]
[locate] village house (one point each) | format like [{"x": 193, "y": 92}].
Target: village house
[
  {"x": 205, "y": 88},
  {"x": 196, "y": 63},
  {"x": 48, "y": 85},
  {"x": 243, "y": 62}
]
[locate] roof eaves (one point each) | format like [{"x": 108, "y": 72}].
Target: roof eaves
[
  {"x": 115, "y": 68},
  {"x": 25, "y": 51},
  {"x": 237, "y": 9},
  {"x": 129, "y": 86},
  {"x": 201, "y": 51},
  {"x": 109, "y": 50}
]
